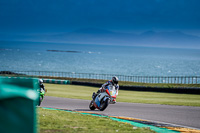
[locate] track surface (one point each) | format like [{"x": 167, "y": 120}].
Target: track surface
[{"x": 179, "y": 115}]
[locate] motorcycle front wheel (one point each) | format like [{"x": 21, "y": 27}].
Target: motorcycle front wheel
[
  {"x": 40, "y": 100},
  {"x": 104, "y": 104}
]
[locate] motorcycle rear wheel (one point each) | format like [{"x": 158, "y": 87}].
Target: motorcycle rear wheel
[{"x": 104, "y": 105}]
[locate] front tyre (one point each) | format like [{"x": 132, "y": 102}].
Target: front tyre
[
  {"x": 104, "y": 104},
  {"x": 91, "y": 105},
  {"x": 40, "y": 100}
]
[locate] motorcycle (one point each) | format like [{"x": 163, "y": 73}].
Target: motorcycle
[
  {"x": 42, "y": 94},
  {"x": 102, "y": 100}
]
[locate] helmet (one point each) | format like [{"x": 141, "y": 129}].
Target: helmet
[
  {"x": 115, "y": 80},
  {"x": 40, "y": 81}
]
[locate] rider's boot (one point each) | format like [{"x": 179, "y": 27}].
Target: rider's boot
[{"x": 114, "y": 101}]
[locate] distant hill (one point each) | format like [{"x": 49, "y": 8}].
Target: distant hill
[
  {"x": 101, "y": 36},
  {"x": 149, "y": 38}
]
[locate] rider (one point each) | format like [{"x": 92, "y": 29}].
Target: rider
[
  {"x": 41, "y": 85},
  {"x": 113, "y": 82}
]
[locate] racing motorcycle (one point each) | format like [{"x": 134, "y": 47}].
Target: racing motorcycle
[
  {"x": 102, "y": 100},
  {"x": 42, "y": 94}
]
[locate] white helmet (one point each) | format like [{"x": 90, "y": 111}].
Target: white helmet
[{"x": 40, "y": 81}]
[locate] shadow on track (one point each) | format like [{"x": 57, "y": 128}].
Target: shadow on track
[{"x": 86, "y": 110}]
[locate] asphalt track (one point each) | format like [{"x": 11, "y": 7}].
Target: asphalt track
[{"x": 176, "y": 115}]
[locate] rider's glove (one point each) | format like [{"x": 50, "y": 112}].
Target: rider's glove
[{"x": 102, "y": 89}]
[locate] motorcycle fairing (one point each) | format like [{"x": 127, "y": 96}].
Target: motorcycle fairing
[
  {"x": 104, "y": 99},
  {"x": 97, "y": 102},
  {"x": 112, "y": 91},
  {"x": 99, "y": 97}
]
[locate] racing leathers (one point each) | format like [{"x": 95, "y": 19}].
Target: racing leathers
[
  {"x": 42, "y": 87},
  {"x": 104, "y": 86}
]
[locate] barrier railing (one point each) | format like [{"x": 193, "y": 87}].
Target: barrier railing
[{"x": 142, "y": 79}]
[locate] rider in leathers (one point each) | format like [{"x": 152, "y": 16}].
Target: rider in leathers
[
  {"x": 113, "y": 82},
  {"x": 41, "y": 85}
]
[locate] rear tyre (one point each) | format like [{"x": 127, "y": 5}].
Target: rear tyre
[
  {"x": 91, "y": 106},
  {"x": 104, "y": 104}
]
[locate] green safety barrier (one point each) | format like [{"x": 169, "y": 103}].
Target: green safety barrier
[
  {"x": 55, "y": 81},
  {"x": 18, "y": 100}
]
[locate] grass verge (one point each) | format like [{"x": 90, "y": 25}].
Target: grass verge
[
  {"x": 84, "y": 92},
  {"x": 53, "y": 121}
]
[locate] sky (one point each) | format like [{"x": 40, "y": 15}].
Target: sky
[{"x": 127, "y": 16}]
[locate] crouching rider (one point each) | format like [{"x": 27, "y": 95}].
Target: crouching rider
[
  {"x": 113, "y": 82},
  {"x": 41, "y": 85}
]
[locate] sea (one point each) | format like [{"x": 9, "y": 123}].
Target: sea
[{"x": 98, "y": 59}]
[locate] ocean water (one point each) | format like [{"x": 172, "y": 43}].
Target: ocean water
[{"x": 100, "y": 59}]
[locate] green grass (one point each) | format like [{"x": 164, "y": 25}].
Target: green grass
[
  {"x": 84, "y": 92},
  {"x": 53, "y": 121}
]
